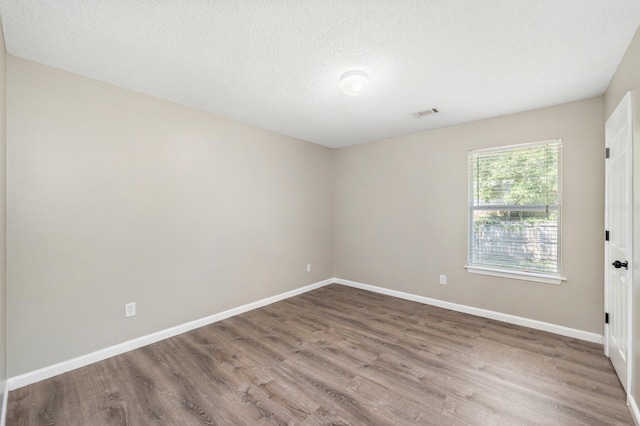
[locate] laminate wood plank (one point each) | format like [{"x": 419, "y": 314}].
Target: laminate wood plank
[
  {"x": 332, "y": 395},
  {"x": 398, "y": 409},
  {"x": 340, "y": 356},
  {"x": 279, "y": 392}
]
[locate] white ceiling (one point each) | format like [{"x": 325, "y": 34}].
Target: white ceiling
[{"x": 277, "y": 64}]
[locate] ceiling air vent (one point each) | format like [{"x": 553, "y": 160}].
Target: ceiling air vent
[{"x": 425, "y": 112}]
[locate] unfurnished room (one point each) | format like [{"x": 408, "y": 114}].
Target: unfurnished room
[{"x": 282, "y": 212}]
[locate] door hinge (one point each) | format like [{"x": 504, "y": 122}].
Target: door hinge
[
  {"x": 606, "y": 235},
  {"x": 606, "y": 153},
  {"x": 606, "y": 317}
]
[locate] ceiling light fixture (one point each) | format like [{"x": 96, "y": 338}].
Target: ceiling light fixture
[{"x": 354, "y": 83}]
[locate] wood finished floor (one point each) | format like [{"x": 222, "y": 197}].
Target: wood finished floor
[{"x": 339, "y": 356}]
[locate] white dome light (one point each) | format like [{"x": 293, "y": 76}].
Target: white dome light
[{"x": 354, "y": 83}]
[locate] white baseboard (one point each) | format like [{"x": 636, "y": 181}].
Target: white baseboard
[
  {"x": 512, "y": 319},
  {"x": 634, "y": 410},
  {"x": 5, "y": 397},
  {"x": 83, "y": 360}
]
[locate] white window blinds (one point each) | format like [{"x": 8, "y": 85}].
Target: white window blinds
[{"x": 514, "y": 207}]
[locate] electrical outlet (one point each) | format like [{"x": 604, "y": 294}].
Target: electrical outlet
[
  {"x": 308, "y": 267},
  {"x": 130, "y": 309},
  {"x": 443, "y": 279}
]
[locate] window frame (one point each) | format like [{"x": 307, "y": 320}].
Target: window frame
[{"x": 497, "y": 270}]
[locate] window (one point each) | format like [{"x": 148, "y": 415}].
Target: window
[{"x": 514, "y": 211}]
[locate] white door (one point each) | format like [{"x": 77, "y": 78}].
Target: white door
[{"x": 618, "y": 216}]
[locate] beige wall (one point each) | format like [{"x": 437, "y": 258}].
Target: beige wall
[
  {"x": 401, "y": 215},
  {"x": 115, "y": 197},
  {"x": 3, "y": 205},
  {"x": 627, "y": 78}
]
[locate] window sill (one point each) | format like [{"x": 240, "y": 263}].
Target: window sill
[{"x": 517, "y": 275}]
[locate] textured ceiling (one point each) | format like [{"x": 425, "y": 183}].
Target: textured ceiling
[{"x": 277, "y": 64}]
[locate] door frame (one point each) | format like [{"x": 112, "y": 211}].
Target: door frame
[{"x": 627, "y": 98}]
